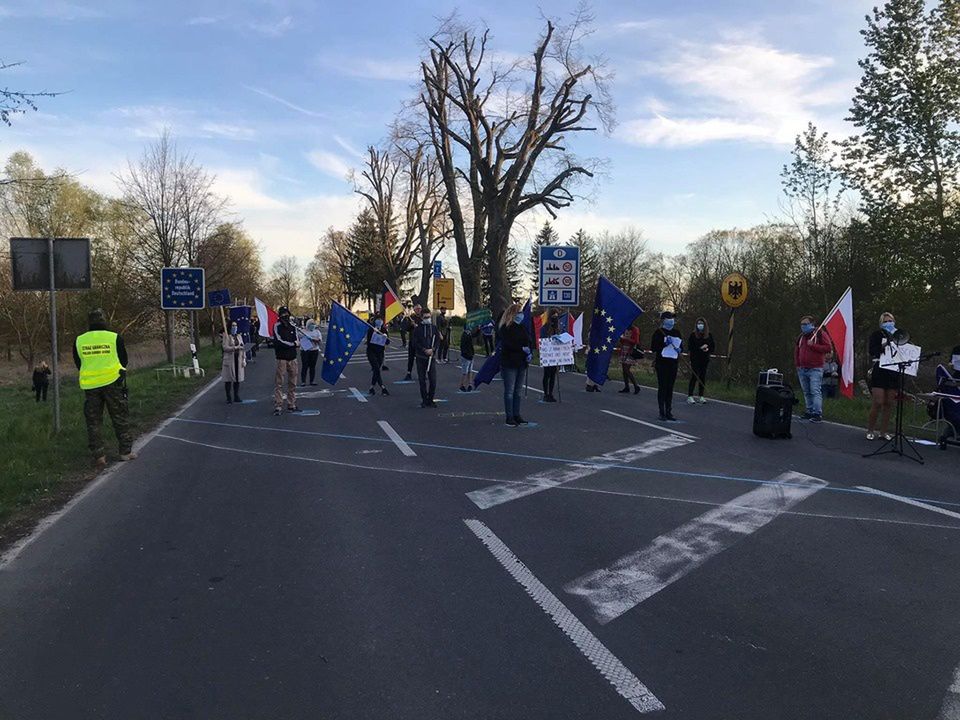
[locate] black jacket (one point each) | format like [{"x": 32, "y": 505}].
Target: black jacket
[
  {"x": 693, "y": 346},
  {"x": 424, "y": 338},
  {"x": 466, "y": 346},
  {"x": 282, "y": 335},
  {"x": 513, "y": 338},
  {"x": 659, "y": 340},
  {"x": 376, "y": 351}
]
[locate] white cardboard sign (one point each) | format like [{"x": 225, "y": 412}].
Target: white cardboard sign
[
  {"x": 893, "y": 354},
  {"x": 555, "y": 354}
]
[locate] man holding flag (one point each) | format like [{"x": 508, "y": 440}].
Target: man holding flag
[
  {"x": 285, "y": 348},
  {"x": 613, "y": 312}
]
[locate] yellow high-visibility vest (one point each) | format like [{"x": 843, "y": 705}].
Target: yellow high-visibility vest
[{"x": 99, "y": 361}]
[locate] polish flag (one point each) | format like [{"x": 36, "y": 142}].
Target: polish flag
[
  {"x": 577, "y": 332},
  {"x": 839, "y": 325},
  {"x": 267, "y": 316}
]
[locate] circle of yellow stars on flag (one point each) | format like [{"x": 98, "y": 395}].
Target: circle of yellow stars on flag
[
  {"x": 343, "y": 331},
  {"x": 607, "y": 319}
]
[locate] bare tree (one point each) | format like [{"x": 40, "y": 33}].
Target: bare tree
[
  {"x": 285, "y": 278},
  {"x": 154, "y": 186},
  {"x": 510, "y": 125}
]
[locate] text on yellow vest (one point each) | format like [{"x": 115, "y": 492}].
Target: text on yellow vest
[{"x": 99, "y": 361}]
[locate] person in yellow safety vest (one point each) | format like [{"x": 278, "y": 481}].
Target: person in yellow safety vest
[{"x": 101, "y": 358}]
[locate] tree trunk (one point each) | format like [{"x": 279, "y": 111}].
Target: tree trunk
[
  {"x": 498, "y": 237},
  {"x": 425, "y": 273}
]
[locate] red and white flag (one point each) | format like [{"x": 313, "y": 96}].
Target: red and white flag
[
  {"x": 839, "y": 325},
  {"x": 268, "y": 317}
]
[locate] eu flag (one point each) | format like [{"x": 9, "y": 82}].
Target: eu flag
[
  {"x": 613, "y": 312},
  {"x": 488, "y": 371},
  {"x": 344, "y": 335}
]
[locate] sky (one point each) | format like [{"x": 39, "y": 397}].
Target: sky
[{"x": 279, "y": 98}]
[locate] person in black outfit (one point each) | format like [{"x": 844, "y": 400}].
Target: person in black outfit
[
  {"x": 515, "y": 355},
  {"x": 551, "y": 328},
  {"x": 467, "y": 353},
  {"x": 701, "y": 347},
  {"x": 375, "y": 355},
  {"x": 443, "y": 328},
  {"x": 425, "y": 341},
  {"x": 884, "y": 383},
  {"x": 41, "y": 380},
  {"x": 412, "y": 322},
  {"x": 666, "y": 351}
]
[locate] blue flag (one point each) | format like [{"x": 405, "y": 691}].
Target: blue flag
[
  {"x": 344, "y": 335},
  {"x": 488, "y": 371},
  {"x": 613, "y": 312}
]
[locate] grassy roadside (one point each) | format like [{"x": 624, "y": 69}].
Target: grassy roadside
[{"x": 38, "y": 468}]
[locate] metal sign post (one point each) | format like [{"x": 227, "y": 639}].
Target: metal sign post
[{"x": 55, "y": 350}]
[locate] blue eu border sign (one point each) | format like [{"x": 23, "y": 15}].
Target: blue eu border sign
[
  {"x": 182, "y": 289},
  {"x": 437, "y": 268},
  {"x": 559, "y": 276}
]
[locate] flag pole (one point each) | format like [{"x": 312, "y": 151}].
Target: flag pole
[{"x": 842, "y": 296}]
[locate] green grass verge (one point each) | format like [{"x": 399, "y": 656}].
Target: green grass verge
[{"x": 34, "y": 461}]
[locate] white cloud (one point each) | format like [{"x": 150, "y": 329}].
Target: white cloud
[
  {"x": 349, "y": 147},
  {"x": 274, "y": 28},
  {"x": 404, "y": 69},
  {"x": 230, "y": 132},
  {"x": 743, "y": 90},
  {"x": 330, "y": 163},
  {"x": 204, "y": 20},
  {"x": 286, "y": 103}
]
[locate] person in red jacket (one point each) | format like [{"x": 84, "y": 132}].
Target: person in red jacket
[{"x": 808, "y": 354}]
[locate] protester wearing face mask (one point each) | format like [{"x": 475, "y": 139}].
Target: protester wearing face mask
[
  {"x": 701, "y": 346},
  {"x": 665, "y": 347},
  {"x": 309, "y": 352},
  {"x": 884, "y": 383},
  {"x": 812, "y": 346},
  {"x": 285, "y": 344},
  {"x": 233, "y": 363},
  {"x": 425, "y": 342},
  {"x": 377, "y": 340},
  {"x": 515, "y": 355}
]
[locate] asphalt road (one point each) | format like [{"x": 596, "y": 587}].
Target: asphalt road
[{"x": 379, "y": 560}]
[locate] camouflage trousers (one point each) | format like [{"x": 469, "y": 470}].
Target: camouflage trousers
[{"x": 111, "y": 396}]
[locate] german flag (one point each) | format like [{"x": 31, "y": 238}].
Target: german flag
[{"x": 391, "y": 304}]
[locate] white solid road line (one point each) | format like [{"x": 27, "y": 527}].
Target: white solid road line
[
  {"x": 651, "y": 425},
  {"x": 614, "y": 590},
  {"x": 493, "y": 495},
  {"x": 910, "y": 501},
  {"x": 14, "y": 552},
  {"x": 358, "y": 395},
  {"x": 397, "y": 440},
  {"x": 616, "y": 673}
]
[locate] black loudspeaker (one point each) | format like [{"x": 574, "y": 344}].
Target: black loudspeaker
[{"x": 773, "y": 411}]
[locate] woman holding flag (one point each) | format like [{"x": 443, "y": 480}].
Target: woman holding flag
[
  {"x": 515, "y": 356},
  {"x": 377, "y": 341}
]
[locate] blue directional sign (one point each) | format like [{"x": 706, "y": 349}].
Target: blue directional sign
[
  {"x": 559, "y": 276},
  {"x": 437, "y": 268},
  {"x": 216, "y": 298},
  {"x": 182, "y": 289}
]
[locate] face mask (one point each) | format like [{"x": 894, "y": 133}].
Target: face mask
[
  {"x": 806, "y": 328},
  {"x": 233, "y": 329},
  {"x": 700, "y": 327},
  {"x": 427, "y": 320},
  {"x": 668, "y": 324},
  {"x": 889, "y": 326},
  {"x": 311, "y": 326},
  {"x": 955, "y": 361},
  {"x": 518, "y": 319},
  {"x": 378, "y": 324}
]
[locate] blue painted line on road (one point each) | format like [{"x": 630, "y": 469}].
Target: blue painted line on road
[{"x": 545, "y": 458}]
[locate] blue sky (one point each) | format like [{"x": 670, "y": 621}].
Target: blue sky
[{"x": 279, "y": 97}]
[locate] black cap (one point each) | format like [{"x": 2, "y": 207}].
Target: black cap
[
  {"x": 284, "y": 310},
  {"x": 97, "y": 317},
  {"x": 666, "y": 315}
]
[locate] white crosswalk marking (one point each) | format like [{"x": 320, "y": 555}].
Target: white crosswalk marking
[
  {"x": 493, "y": 495},
  {"x": 614, "y": 590}
]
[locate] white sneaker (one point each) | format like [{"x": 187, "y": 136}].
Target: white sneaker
[
  {"x": 690, "y": 400},
  {"x": 702, "y": 400}
]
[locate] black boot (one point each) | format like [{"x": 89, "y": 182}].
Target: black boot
[
  {"x": 226, "y": 386},
  {"x": 236, "y": 392}
]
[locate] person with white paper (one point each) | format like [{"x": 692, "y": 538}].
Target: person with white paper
[
  {"x": 884, "y": 382},
  {"x": 665, "y": 347},
  {"x": 377, "y": 341}
]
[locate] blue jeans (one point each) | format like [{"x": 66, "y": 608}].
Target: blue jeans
[
  {"x": 512, "y": 383},
  {"x": 811, "y": 382}
]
